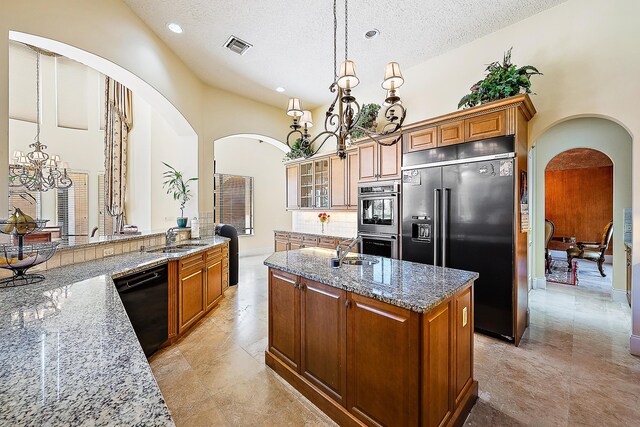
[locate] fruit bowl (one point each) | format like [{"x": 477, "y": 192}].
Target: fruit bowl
[
  {"x": 21, "y": 258},
  {"x": 8, "y": 226}
]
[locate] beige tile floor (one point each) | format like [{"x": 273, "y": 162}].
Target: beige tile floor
[{"x": 572, "y": 368}]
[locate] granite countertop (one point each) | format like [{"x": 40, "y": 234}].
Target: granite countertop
[
  {"x": 329, "y": 236},
  {"x": 417, "y": 287},
  {"x": 69, "y": 354}
]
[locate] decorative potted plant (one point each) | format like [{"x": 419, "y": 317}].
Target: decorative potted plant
[
  {"x": 176, "y": 186},
  {"x": 297, "y": 151},
  {"x": 367, "y": 119},
  {"x": 502, "y": 81},
  {"x": 324, "y": 218}
]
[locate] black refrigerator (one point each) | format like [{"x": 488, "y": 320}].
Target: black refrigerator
[{"x": 458, "y": 211}]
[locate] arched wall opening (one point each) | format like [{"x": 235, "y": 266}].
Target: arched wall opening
[
  {"x": 259, "y": 157},
  {"x": 598, "y": 134},
  {"x": 160, "y": 134}
]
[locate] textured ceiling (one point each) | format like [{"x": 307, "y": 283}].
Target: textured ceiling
[
  {"x": 292, "y": 40},
  {"x": 579, "y": 158}
]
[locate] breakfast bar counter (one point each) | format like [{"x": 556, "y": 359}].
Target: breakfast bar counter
[{"x": 386, "y": 343}]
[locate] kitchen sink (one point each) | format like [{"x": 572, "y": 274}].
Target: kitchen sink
[
  {"x": 359, "y": 260},
  {"x": 180, "y": 247}
]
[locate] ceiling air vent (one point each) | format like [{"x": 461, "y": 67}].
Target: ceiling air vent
[{"x": 236, "y": 45}]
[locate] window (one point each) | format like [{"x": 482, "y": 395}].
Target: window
[
  {"x": 233, "y": 202},
  {"x": 27, "y": 201},
  {"x": 73, "y": 206}
]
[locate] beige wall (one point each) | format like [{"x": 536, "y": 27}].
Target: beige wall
[
  {"x": 263, "y": 162},
  {"x": 110, "y": 30}
]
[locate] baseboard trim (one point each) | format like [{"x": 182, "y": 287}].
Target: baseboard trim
[
  {"x": 619, "y": 295},
  {"x": 256, "y": 251},
  {"x": 539, "y": 283},
  {"x": 634, "y": 344}
]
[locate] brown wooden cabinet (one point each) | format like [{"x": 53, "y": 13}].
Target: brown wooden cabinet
[
  {"x": 451, "y": 133},
  {"x": 379, "y": 162},
  {"x": 463, "y": 343},
  {"x": 323, "y": 331},
  {"x": 284, "y": 318},
  {"x": 338, "y": 183},
  {"x": 382, "y": 360},
  {"x": 421, "y": 139},
  {"x": 485, "y": 126},
  {"x": 352, "y": 179},
  {"x": 214, "y": 282},
  {"x": 293, "y": 192},
  {"x": 196, "y": 285},
  {"x": 191, "y": 298},
  {"x": 363, "y": 361}
]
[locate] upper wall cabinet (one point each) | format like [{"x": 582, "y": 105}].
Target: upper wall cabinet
[
  {"x": 378, "y": 161},
  {"x": 293, "y": 193}
]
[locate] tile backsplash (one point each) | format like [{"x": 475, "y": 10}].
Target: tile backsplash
[{"x": 341, "y": 223}]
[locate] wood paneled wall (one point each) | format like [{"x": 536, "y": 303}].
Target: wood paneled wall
[{"x": 580, "y": 201}]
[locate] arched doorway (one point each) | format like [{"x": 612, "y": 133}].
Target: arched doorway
[
  {"x": 578, "y": 205},
  {"x": 599, "y": 134}
]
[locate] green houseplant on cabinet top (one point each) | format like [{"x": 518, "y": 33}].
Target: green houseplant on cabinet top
[
  {"x": 502, "y": 81},
  {"x": 176, "y": 186}
]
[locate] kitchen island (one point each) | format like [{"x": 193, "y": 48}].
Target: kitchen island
[
  {"x": 388, "y": 344},
  {"x": 69, "y": 354}
]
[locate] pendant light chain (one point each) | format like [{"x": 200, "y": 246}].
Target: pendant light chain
[
  {"x": 346, "y": 29},
  {"x": 37, "y": 97},
  {"x": 335, "y": 40}
]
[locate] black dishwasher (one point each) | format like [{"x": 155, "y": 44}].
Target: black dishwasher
[{"x": 145, "y": 296}]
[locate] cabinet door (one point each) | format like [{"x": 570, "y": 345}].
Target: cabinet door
[
  {"x": 389, "y": 161},
  {"x": 191, "y": 299},
  {"x": 323, "y": 333},
  {"x": 485, "y": 126},
  {"x": 214, "y": 283},
  {"x": 338, "y": 182},
  {"x": 306, "y": 185},
  {"x": 464, "y": 342},
  {"x": 382, "y": 363},
  {"x": 295, "y": 245},
  {"x": 422, "y": 139},
  {"x": 293, "y": 201},
  {"x": 367, "y": 162},
  {"x": 321, "y": 184},
  {"x": 437, "y": 360},
  {"x": 352, "y": 179},
  {"x": 284, "y": 318},
  {"x": 451, "y": 133},
  {"x": 281, "y": 245}
]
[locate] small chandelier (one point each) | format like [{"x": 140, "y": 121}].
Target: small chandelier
[
  {"x": 341, "y": 124},
  {"x": 36, "y": 170}
]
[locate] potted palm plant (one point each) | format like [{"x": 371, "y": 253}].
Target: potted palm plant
[{"x": 176, "y": 186}]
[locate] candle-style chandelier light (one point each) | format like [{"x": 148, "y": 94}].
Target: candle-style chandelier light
[
  {"x": 36, "y": 170},
  {"x": 341, "y": 124}
]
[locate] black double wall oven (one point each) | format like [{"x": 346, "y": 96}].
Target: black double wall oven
[{"x": 379, "y": 218}]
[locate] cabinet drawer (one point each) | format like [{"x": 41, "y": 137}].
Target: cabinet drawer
[
  {"x": 310, "y": 240},
  {"x": 214, "y": 253},
  {"x": 225, "y": 262},
  {"x": 282, "y": 236},
  {"x": 295, "y": 237},
  {"x": 325, "y": 241},
  {"x": 195, "y": 261}
]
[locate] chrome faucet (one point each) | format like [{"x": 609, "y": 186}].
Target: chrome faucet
[
  {"x": 171, "y": 235},
  {"x": 340, "y": 254}
]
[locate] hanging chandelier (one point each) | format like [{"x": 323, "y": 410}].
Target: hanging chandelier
[
  {"x": 36, "y": 170},
  {"x": 341, "y": 124}
]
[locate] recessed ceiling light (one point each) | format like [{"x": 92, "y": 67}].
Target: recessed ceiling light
[
  {"x": 371, "y": 34},
  {"x": 174, "y": 27},
  {"x": 280, "y": 89}
]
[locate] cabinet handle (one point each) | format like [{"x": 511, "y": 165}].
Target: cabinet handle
[
  {"x": 347, "y": 303},
  {"x": 301, "y": 286}
]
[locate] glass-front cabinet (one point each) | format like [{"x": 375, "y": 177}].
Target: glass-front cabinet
[
  {"x": 306, "y": 185},
  {"x": 321, "y": 183}
]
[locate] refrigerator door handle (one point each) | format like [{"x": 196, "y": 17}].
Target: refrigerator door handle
[
  {"x": 436, "y": 209},
  {"x": 445, "y": 216}
]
